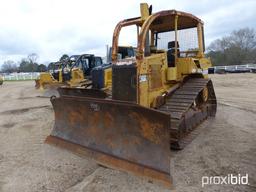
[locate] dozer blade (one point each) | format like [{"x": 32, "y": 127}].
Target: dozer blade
[
  {"x": 116, "y": 134},
  {"x": 81, "y": 92}
]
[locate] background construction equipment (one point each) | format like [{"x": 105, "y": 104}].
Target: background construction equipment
[{"x": 74, "y": 71}]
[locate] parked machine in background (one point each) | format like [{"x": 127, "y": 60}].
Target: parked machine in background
[
  {"x": 74, "y": 72},
  {"x": 123, "y": 52},
  {"x": 156, "y": 99}
]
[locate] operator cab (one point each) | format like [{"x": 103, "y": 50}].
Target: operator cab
[
  {"x": 124, "y": 52},
  {"x": 87, "y": 62},
  {"x": 176, "y": 33}
]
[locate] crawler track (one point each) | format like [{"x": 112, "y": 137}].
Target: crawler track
[{"x": 189, "y": 105}]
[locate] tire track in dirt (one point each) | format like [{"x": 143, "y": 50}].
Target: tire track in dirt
[
  {"x": 237, "y": 107},
  {"x": 24, "y": 110}
]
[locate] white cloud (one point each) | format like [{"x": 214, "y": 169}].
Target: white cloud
[{"x": 54, "y": 27}]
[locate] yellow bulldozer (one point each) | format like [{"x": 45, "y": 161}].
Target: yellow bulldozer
[
  {"x": 156, "y": 99},
  {"x": 73, "y": 72}
]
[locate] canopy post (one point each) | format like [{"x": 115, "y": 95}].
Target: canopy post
[
  {"x": 176, "y": 38},
  {"x": 200, "y": 40}
]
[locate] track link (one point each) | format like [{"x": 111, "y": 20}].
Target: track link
[{"x": 188, "y": 110}]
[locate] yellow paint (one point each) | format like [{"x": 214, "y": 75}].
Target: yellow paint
[
  {"x": 144, "y": 11},
  {"x": 108, "y": 78},
  {"x": 45, "y": 78},
  {"x": 200, "y": 40},
  {"x": 77, "y": 76},
  {"x": 172, "y": 73},
  {"x": 154, "y": 76},
  {"x": 154, "y": 85},
  {"x": 176, "y": 37},
  {"x": 157, "y": 85}
]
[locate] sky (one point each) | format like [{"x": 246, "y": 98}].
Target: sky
[{"x": 51, "y": 28}]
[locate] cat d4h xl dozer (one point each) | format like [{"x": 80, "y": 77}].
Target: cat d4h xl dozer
[{"x": 156, "y": 101}]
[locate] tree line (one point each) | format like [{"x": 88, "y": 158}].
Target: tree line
[
  {"x": 28, "y": 64},
  {"x": 235, "y": 49}
]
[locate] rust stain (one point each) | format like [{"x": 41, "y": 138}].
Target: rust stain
[
  {"x": 149, "y": 130},
  {"x": 75, "y": 116},
  {"x": 72, "y": 118},
  {"x": 110, "y": 142},
  {"x": 93, "y": 122},
  {"x": 108, "y": 119}
]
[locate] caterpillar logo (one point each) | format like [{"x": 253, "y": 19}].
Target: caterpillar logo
[{"x": 94, "y": 107}]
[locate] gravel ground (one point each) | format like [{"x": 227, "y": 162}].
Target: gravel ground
[{"x": 226, "y": 145}]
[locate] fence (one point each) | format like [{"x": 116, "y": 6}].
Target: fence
[
  {"x": 247, "y": 66},
  {"x": 20, "y": 76},
  {"x": 35, "y": 75},
  {"x": 233, "y": 69}
]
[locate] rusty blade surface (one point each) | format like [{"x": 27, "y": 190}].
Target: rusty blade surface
[
  {"x": 127, "y": 136},
  {"x": 81, "y": 92}
]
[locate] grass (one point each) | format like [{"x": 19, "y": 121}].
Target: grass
[{"x": 20, "y": 80}]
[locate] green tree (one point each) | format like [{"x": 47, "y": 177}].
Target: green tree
[
  {"x": 25, "y": 65},
  {"x": 29, "y": 64},
  {"x": 64, "y": 57},
  {"x": 42, "y": 68},
  {"x": 50, "y": 66},
  {"x": 32, "y": 58},
  {"x": 237, "y": 48},
  {"x": 9, "y": 66}
]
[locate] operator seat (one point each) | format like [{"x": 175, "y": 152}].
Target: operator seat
[{"x": 171, "y": 52}]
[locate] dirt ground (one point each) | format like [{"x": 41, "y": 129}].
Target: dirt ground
[{"x": 226, "y": 145}]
